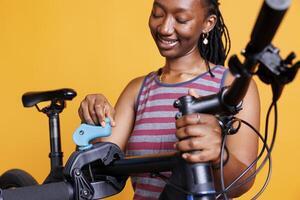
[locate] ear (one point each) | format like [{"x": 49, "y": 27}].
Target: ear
[{"x": 209, "y": 23}]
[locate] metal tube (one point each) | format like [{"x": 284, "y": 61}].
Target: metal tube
[{"x": 55, "y": 154}]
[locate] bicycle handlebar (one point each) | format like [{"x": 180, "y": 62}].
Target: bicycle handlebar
[
  {"x": 51, "y": 191},
  {"x": 267, "y": 23}
]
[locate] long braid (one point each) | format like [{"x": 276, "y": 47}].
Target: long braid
[{"x": 219, "y": 43}]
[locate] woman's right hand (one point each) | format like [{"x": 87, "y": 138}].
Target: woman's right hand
[{"x": 94, "y": 109}]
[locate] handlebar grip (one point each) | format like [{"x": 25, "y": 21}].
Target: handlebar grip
[
  {"x": 51, "y": 191},
  {"x": 267, "y": 23}
]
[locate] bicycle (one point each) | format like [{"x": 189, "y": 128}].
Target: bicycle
[{"x": 20, "y": 178}]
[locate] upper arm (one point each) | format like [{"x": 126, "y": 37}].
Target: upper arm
[
  {"x": 244, "y": 144},
  {"x": 125, "y": 113}
]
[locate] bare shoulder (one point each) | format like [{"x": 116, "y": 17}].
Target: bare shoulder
[
  {"x": 134, "y": 86},
  {"x": 229, "y": 78},
  {"x": 130, "y": 92},
  {"x": 136, "y": 83}
]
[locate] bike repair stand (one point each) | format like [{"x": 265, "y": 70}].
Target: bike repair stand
[{"x": 79, "y": 168}]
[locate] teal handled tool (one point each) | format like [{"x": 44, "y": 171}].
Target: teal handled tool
[{"x": 86, "y": 133}]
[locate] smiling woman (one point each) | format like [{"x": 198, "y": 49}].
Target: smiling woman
[
  {"x": 188, "y": 34},
  {"x": 188, "y": 20}
]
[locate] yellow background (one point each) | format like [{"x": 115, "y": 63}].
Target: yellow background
[{"x": 98, "y": 46}]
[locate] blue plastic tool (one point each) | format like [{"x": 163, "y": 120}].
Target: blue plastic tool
[{"x": 86, "y": 133}]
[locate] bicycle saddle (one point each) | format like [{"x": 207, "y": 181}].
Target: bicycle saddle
[{"x": 30, "y": 99}]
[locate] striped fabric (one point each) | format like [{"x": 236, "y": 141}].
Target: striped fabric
[{"x": 154, "y": 129}]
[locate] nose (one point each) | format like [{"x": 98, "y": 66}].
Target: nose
[{"x": 167, "y": 27}]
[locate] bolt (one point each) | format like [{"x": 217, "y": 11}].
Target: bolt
[
  {"x": 77, "y": 172},
  {"x": 85, "y": 193},
  {"x": 177, "y": 103},
  {"x": 81, "y": 132},
  {"x": 178, "y": 115}
]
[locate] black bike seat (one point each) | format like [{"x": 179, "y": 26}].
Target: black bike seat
[{"x": 30, "y": 99}]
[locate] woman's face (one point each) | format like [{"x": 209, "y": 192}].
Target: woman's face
[{"x": 176, "y": 26}]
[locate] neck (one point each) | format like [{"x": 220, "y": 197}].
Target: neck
[
  {"x": 183, "y": 68},
  {"x": 189, "y": 63}
]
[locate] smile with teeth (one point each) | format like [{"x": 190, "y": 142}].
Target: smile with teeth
[{"x": 167, "y": 43}]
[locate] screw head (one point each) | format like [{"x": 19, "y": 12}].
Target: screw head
[
  {"x": 85, "y": 192},
  {"x": 177, "y": 103},
  {"x": 178, "y": 115},
  {"x": 81, "y": 132},
  {"x": 77, "y": 172}
]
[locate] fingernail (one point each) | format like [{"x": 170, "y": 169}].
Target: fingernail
[
  {"x": 175, "y": 145},
  {"x": 112, "y": 123},
  {"x": 184, "y": 156},
  {"x": 102, "y": 123}
]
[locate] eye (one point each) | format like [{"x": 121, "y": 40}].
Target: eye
[
  {"x": 182, "y": 20},
  {"x": 157, "y": 15},
  {"x": 157, "y": 12}
]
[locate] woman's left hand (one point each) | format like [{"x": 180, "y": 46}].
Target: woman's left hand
[{"x": 199, "y": 138}]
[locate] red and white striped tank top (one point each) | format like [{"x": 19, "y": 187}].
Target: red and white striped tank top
[{"x": 154, "y": 128}]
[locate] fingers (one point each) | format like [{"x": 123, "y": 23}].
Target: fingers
[
  {"x": 94, "y": 109},
  {"x": 110, "y": 113},
  {"x": 197, "y": 125},
  {"x": 192, "y": 131},
  {"x": 98, "y": 108},
  {"x": 198, "y": 143},
  {"x": 200, "y": 156},
  {"x": 196, "y": 118},
  {"x": 84, "y": 113},
  {"x": 105, "y": 110},
  {"x": 200, "y": 134},
  {"x": 80, "y": 113},
  {"x": 200, "y": 149},
  {"x": 94, "y": 114},
  {"x": 193, "y": 93}
]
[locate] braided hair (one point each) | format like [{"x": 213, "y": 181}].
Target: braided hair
[{"x": 217, "y": 49}]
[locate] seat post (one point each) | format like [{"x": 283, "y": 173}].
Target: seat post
[
  {"x": 55, "y": 155},
  {"x": 52, "y": 111}
]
